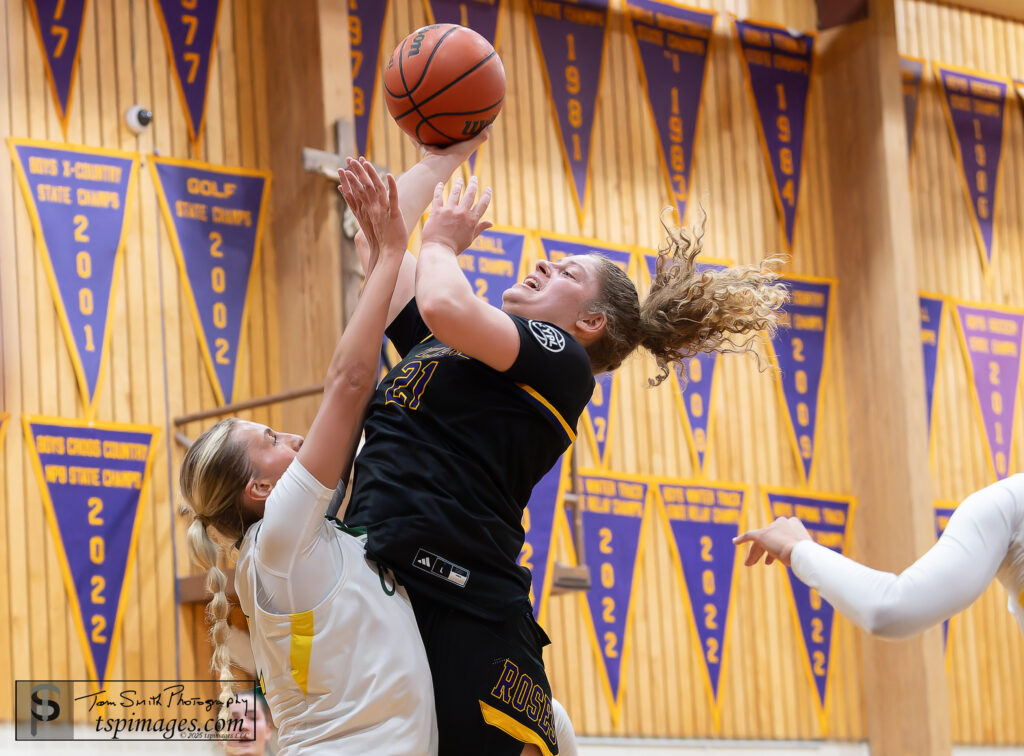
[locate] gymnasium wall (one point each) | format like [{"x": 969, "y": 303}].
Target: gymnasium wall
[
  {"x": 765, "y": 688},
  {"x": 986, "y": 652},
  {"x": 156, "y": 369}
]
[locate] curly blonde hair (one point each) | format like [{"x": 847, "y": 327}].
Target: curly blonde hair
[{"x": 685, "y": 312}]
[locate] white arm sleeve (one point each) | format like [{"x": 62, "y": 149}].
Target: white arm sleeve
[
  {"x": 297, "y": 564},
  {"x": 944, "y": 581}
]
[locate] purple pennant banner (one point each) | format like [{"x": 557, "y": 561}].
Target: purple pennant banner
[
  {"x": 92, "y": 476},
  {"x": 190, "y": 30},
  {"x": 539, "y": 524},
  {"x": 672, "y": 45},
  {"x": 943, "y": 511},
  {"x": 214, "y": 216},
  {"x": 694, "y": 391},
  {"x": 931, "y": 332},
  {"x": 991, "y": 338},
  {"x": 912, "y": 70},
  {"x": 78, "y": 199},
  {"x": 599, "y": 414},
  {"x": 493, "y": 263},
  {"x": 572, "y": 40},
  {"x": 974, "y": 105},
  {"x": 703, "y": 521},
  {"x": 800, "y": 347},
  {"x": 365, "y": 29},
  {"x": 613, "y": 513},
  {"x": 599, "y": 409},
  {"x": 778, "y": 66},
  {"x": 479, "y": 15},
  {"x": 59, "y": 26},
  {"x": 827, "y": 519}
]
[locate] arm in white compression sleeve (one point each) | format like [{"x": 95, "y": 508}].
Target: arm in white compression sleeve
[{"x": 944, "y": 581}]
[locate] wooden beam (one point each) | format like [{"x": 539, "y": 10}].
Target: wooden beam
[{"x": 880, "y": 337}]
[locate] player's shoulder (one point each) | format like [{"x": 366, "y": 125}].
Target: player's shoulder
[{"x": 549, "y": 337}]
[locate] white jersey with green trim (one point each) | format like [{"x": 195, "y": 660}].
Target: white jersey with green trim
[
  {"x": 984, "y": 539},
  {"x": 344, "y": 669}
]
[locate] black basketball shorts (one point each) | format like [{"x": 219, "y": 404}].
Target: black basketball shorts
[{"x": 490, "y": 690}]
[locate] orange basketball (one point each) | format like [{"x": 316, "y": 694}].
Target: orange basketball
[{"x": 444, "y": 83}]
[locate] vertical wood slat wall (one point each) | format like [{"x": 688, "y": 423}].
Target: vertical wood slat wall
[
  {"x": 987, "y": 653},
  {"x": 156, "y": 369}
]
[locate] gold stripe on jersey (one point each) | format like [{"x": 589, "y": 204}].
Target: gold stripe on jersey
[
  {"x": 565, "y": 426},
  {"x": 516, "y": 729},
  {"x": 301, "y": 648}
]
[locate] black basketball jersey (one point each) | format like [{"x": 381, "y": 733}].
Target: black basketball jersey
[{"x": 453, "y": 449}]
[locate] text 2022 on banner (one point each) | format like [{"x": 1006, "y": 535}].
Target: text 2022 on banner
[
  {"x": 827, "y": 518},
  {"x": 93, "y": 478},
  {"x": 703, "y": 519},
  {"x": 613, "y": 506}
]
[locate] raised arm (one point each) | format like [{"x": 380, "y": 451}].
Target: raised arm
[
  {"x": 945, "y": 580},
  {"x": 447, "y": 302},
  {"x": 415, "y": 189},
  {"x": 352, "y": 374}
]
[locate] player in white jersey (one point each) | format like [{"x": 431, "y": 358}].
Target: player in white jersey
[
  {"x": 335, "y": 640},
  {"x": 984, "y": 539}
]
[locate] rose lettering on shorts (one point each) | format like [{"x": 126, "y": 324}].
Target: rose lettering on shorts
[{"x": 520, "y": 692}]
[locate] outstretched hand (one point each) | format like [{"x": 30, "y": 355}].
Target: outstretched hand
[
  {"x": 455, "y": 222},
  {"x": 776, "y": 541},
  {"x": 458, "y": 151},
  {"x": 375, "y": 205}
]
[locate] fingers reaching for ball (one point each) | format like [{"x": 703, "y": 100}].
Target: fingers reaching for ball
[
  {"x": 456, "y": 221},
  {"x": 375, "y": 206}
]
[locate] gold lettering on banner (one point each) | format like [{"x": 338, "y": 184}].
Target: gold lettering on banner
[
  {"x": 546, "y": 8},
  {"x": 983, "y": 107},
  {"x": 686, "y": 44},
  {"x": 584, "y": 16},
  {"x": 1002, "y": 326},
  {"x": 788, "y": 63},
  {"x": 758, "y": 57},
  {"x": 803, "y": 298},
  {"x": 757, "y": 37},
  {"x": 808, "y": 513},
  {"x": 1004, "y": 348},
  {"x": 809, "y": 322},
  {"x": 986, "y": 89}
]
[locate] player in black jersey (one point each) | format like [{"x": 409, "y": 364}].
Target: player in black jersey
[{"x": 483, "y": 403}]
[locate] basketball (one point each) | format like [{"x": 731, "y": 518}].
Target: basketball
[{"x": 443, "y": 84}]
